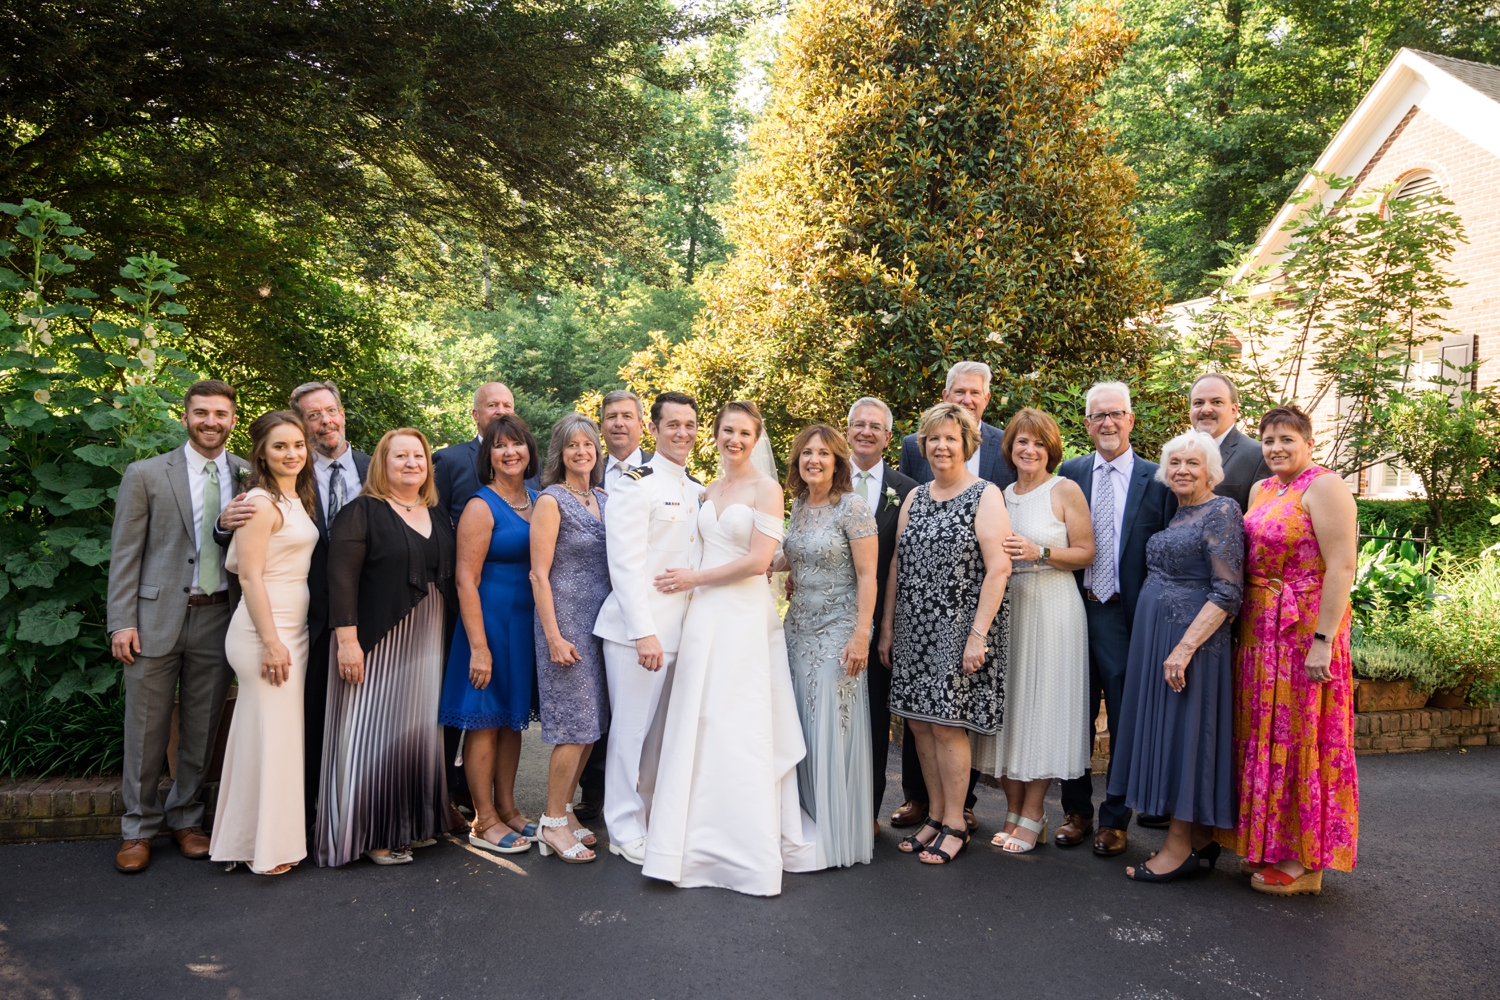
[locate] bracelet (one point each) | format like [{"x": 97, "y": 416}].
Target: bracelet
[{"x": 978, "y": 633}]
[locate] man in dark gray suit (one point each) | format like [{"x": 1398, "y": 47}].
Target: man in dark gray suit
[
  {"x": 1128, "y": 506},
  {"x": 339, "y": 472},
  {"x": 169, "y": 606},
  {"x": 884, "y": 489},
  {"x": 1214, "y": 409},
  {"x": 455, "y": 469},
  {"x": 968, "y": 385}
]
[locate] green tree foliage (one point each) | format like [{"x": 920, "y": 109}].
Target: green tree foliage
[
  {"x": 87, "y": 386},
  {"x": 303, "y": 160},
  {"x": 1223, "y": 105},
  {"x": 927, "y": 185},
  {"x": 1453, "y": 446}
]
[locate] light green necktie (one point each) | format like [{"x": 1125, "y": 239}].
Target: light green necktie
[
  {"x": 208, "y": 549},
  {"x": 864, "y": 478}
]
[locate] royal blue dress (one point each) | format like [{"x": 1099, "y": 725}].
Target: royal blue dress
[{"x": 510, "y": 699}]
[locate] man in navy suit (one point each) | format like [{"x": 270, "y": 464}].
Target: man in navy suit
[
  {"x": 455, "y": 469},
  {"x": 968, "y": 385},
  {"x": 339, "y": 472},
  {"x": 1135, "y": 507},
  {"x": 884, "y": 489}
]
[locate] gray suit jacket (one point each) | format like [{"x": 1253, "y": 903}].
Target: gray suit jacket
[
  {"x": 152, "y": 553},
  {"x": 1244, "y": 466}
]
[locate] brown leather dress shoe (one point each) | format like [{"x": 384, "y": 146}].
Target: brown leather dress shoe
[
  {"x": 1074, "y": 831},
  {"x": 133, "y": 856},
  {"x": 1109, "y": 841},
  {"x": 192, "y": 842},
  {"x": 910, "y": 814}
]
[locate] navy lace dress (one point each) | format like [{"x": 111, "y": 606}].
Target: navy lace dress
[{"x": 1175, "y": 756}]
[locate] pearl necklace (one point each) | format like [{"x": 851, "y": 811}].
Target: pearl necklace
[{"x": 512, "y": 506}]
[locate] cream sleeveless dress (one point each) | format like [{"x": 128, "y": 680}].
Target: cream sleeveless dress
[
  {"x": 260, "y": 818},
  {"x": 1046, "y": 731}
]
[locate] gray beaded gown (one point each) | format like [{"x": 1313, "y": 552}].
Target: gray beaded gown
[
  {"x": 575, "y": 699},
  {"x": 833, "y": 780}
]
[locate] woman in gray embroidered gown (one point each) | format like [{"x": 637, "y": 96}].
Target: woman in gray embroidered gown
[{"x": 830, "y": 549}]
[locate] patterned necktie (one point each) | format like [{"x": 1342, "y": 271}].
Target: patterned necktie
[
  {"x": 335, "y": 491},
  {"x": 208, "y": 549},
  {"x": 1103, "y": 583},
  {"x": 863, "y": 487}
]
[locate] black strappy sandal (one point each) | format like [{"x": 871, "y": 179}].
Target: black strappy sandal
[
  {"x": 1144, "y": 874},
  {"x": 948, "y": 831},
  {"x": 910, "y": 844}
]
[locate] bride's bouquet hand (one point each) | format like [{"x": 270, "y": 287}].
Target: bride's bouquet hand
[
  {"x": 677, "y": 581},
  {"x": 856, "y": 655}
]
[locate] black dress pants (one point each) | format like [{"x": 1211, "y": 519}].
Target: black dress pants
[
  {"x": 878, "y": 691},
  {"x": 1109, "y": 652}
]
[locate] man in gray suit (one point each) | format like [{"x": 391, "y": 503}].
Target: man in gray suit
[
  {"x": 1214, "y": 409},
  {"x": 169, "y": 606}
]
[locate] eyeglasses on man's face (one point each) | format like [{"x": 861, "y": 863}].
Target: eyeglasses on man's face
[
  {"x": 865, "y": 425},
  {"x": 1101, "y": 417}
]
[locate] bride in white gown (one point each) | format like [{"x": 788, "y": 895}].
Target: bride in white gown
[{"x": 725, "y": 810}]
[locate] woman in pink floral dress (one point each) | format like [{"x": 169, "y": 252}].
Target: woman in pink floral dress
[{"x": 1293, "y": 702}]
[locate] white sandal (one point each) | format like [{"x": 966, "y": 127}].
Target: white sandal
[
  {"x": 1002, "y": 838},
  {"x": 573, "y": 855},
  {"x": 1036, "y": 826},
  {"x": 584, "y": 834}
]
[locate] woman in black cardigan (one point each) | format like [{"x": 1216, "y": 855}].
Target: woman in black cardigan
[{"x": 392, "y": 606}]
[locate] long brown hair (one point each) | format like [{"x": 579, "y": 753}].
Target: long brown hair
[
  {"x": 378, "y": 484},
  {"x": 843, "y": 477},
  {"x": 261, "y": 475}
]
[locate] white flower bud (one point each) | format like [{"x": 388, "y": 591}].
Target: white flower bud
[
  {"x": 147, "y": 356},
  {"x": 133, "y": 341},
  {"x": 41, "y": 396},
  {"x": 47, "y": 339}
]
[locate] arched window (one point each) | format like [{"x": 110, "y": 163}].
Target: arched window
[{"x": 1419, "y": 185}]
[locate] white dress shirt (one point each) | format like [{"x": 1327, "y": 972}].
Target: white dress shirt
[
  {"x": 196, "y": 464},
  {"x": 877, "y": 482},
  {"x": 324, "y": 468},
  {"x": 614, "y": 468},
  {"x": 1219, "y": 439},
  {"x": 1117, "y": 475},
  {"x": 973, "y": 463}
]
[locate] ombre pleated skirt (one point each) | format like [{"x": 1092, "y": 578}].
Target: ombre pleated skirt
[{"x": 382, "y": 783}]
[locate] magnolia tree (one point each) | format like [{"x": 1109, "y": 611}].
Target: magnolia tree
[
  {"x": 86, "y": 387},
  {"x": 928, "y": 185}
]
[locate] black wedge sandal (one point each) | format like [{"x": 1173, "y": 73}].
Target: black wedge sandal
[
  {"x": 932, "y": 848},
  {"x": 910, "y": 844}
]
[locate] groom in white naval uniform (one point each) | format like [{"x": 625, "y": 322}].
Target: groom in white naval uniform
[{"x": 650, "y": 525}]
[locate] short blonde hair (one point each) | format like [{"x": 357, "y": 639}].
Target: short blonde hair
[
  {"x": 377, "y": 484},
  {"x": 1188, "y": 441},
  {"x": 933, "y": 416}
]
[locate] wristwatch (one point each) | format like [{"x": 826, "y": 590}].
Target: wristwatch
[
  {"x": 1319, "y": 637},
  {"x": 1046, "y": 554}
]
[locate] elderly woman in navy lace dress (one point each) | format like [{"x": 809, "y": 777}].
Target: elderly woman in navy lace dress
[{"x": 1177, "y": 716}]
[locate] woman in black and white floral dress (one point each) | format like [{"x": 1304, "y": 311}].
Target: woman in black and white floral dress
[{"x": 947, "y": 633}]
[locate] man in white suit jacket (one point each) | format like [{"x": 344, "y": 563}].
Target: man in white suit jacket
[{"x": 650, "y": 525}]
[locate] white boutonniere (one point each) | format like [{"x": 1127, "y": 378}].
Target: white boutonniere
[{"x": 890, "y": 495}]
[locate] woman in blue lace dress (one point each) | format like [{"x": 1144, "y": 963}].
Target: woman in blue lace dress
[
  {"x": 831, "y": 549},
  {"x": 570, "y": 579},
  {"x": 1175, "y": 755}
]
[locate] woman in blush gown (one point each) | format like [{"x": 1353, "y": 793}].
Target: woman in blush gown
[{"x": 725, "y": 809}]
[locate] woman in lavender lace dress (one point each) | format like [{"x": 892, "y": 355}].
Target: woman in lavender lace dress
[{"x": 570, "y": 580}]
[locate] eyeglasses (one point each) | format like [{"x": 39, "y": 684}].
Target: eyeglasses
[
  {"x": 322, "y": 415},
  {"x": 865, "y": 425},
  {"x": 1099, "y": 418}
]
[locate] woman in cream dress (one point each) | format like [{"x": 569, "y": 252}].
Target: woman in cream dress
[
  {"x": 1046, "y": 689},
  {"x": 725, "y": 810},
  {"x": 260, "y": 818}
]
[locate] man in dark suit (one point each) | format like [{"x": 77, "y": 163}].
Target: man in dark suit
[
  {"x": 1214, "y": 409},
  {"x": 1128, "y": 506},
  {"x": 339, "y": 472},
  {"x": 968, "y": 385},
  {"x": 884, "y": 489},
  {"x": 622, "y": 418},
  {"x": 456, "y": 469}
]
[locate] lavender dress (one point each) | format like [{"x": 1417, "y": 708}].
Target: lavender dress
[{"x": 575, "y": 699}]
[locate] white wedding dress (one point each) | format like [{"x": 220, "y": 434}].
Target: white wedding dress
[{"x": 725, "y": 810}]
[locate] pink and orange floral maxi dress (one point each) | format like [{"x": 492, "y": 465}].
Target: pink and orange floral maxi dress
[{"x": 1293, "y": 739}]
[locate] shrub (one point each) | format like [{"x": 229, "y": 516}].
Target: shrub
[
  {"x": 84, "y": 735},
  {"x": 86, "y": 388}
]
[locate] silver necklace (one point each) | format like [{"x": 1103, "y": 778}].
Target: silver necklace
[
  {"x": 513, "y": 506},
  {"x": 585, "y": 494}
]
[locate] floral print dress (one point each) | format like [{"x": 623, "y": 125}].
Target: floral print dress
[{"x": 1293, "y": 739}]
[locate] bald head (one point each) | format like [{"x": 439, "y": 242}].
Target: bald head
[{"x": 491, "y": 400}]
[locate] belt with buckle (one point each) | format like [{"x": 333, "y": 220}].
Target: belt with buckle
[
  {"x": 203, "y": 600},
  {"x": 1095, "y": 597}
]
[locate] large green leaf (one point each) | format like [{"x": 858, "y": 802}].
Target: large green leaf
[
  {"x": 84, "y": 499},
  {"x": 47, "y": 624},
  {"x": 62, "y": 479},
  {"x": 98, "y": 454},
  {"x": 92, "y": 551},
  {"x": 35, "y": 567},
  {"x": 25, "y": 413}
]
